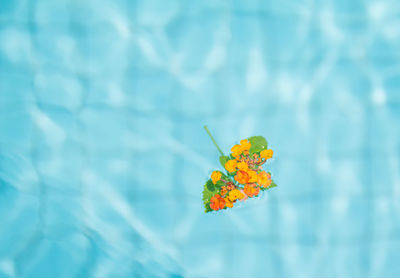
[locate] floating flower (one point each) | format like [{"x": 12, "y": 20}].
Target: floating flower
[
  {"x": 267, "y": 154},
  {"x": 245, "y": 145},
  {"x": 235, "y": 194},
  {"x": 251, "y": 190},
  {"x": 264, "y": 179},
  {"x": 230, "y": 166},
  {"x": 216, "y": 176},
  {"x": 242, "y": 166},
  {"x": 236, "y": 150},
  {"x": 217, "y": 202},
  {"x": 244, "y": 177}
]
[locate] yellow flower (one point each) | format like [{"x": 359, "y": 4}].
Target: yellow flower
[
  {"x": 236, "y": 150},
  {"x": 228, "y": 202},
  {"x": 235, "y": 194},
  {"x": 242, "y": 166},
  {"x": 267, "y": 154},
  {"x": 245, "y": 145},
  {"x": 264, "y": 179},
  {"x": 216, "y": 176},
  {"x": 230, "y": 165},
  {"x": 242, "y": 177},
  {"x": 252, "y": 175}
]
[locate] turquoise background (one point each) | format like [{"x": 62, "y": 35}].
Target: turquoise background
[{"x": 103, "y": 155}]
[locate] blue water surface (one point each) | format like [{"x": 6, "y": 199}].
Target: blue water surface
[{"x": 103, "y": 155}]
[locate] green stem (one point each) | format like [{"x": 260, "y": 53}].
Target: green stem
[{"x": 212, "y": 139}]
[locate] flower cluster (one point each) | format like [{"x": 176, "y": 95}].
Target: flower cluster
[{"x": 244, "y": 177}]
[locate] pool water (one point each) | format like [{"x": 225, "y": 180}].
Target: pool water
[{"x": 103, "y": 155}]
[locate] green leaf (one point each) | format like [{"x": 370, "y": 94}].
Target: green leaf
[
  {"x": 207, "y": 195},
  {"x": 223, "y": 159},
  {"x": 208, "y": 192},
  {"x": 207, "y": 208},
  {"x": 273, "y": 184},
  {"x": 219, "y": 184},
  {"x": 210, "y": 185},
  {"x": 258, "y": 143}
]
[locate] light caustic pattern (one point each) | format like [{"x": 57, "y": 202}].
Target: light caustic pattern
[{"x": 103, "y": 155}]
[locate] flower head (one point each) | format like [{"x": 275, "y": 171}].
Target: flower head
[
  {"x": 230, "y": 165},
  {"x": 236, "y": 150},
  {"x": 251, "y": 190},
  {"x": 235, "y": 194},
  {"x": 242, "y": 166},
  {"x": 245, "y": 145},
  {"x": 267, "y": 154},
  {"x": 242, "y": 177},
  {"x": 216, "y": 176},
  {"x": 217, "y": 202},
  {"x": 264, "y": 179}
]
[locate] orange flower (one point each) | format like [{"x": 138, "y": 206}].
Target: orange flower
[
  {"x": 245, "y": 145},
  {"x": 216, "y": 176},
  {"x": 236, "y": 150},
  {"x": 264, "y": 179},
  {"x": 252, "y": 175},
  {"x": 250, "y": 190},
  {"x": 267, "y": 154},
  {"x": 217, "y": 202},
  {"x": 230, "y": 165},
  {"x": 242, "y": 166},
  {"x": 242, "y": 177}
]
